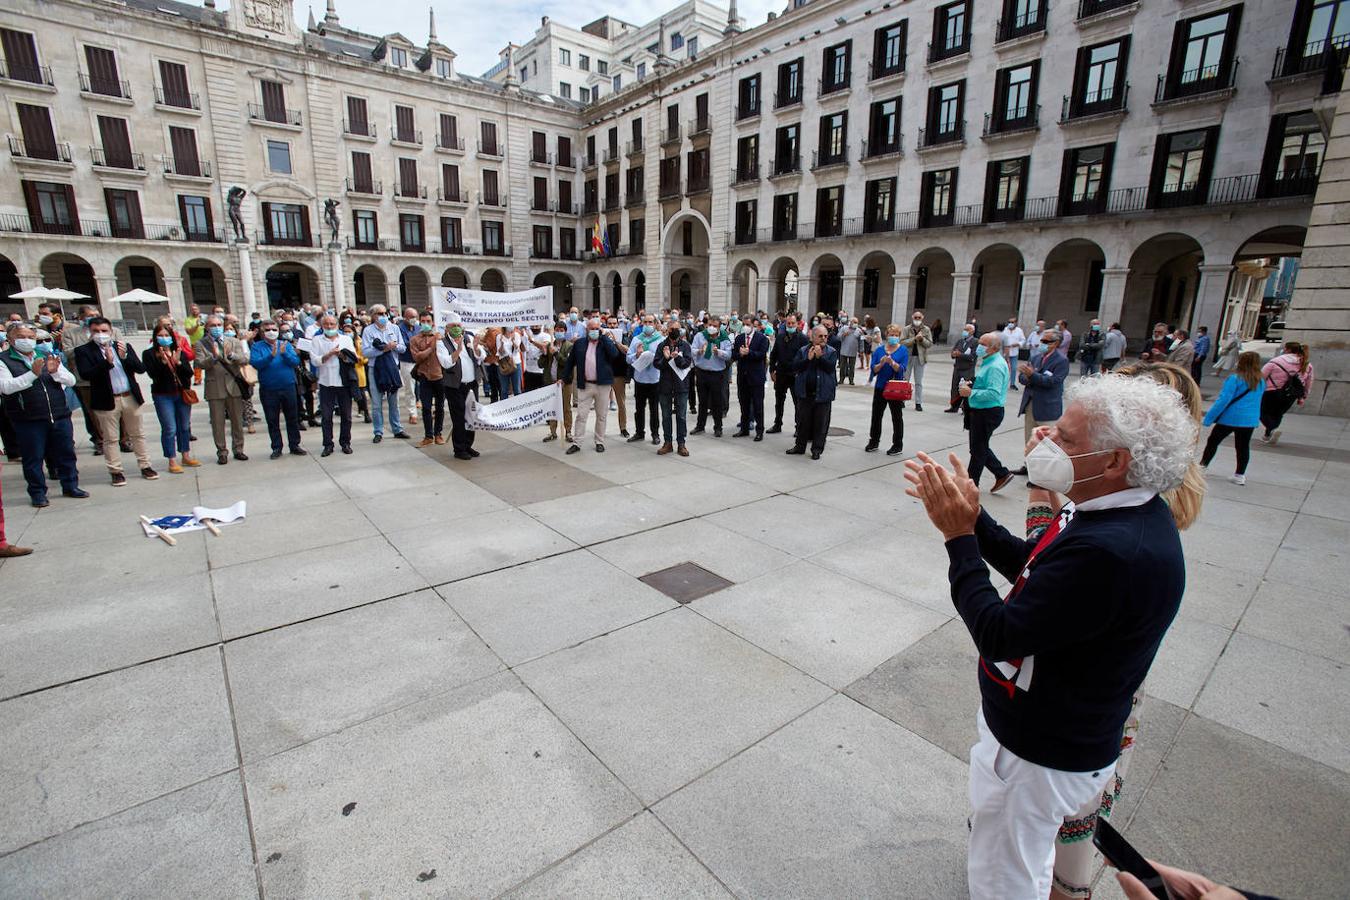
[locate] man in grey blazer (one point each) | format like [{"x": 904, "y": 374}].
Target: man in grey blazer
[{"x": 222, "y": 359}]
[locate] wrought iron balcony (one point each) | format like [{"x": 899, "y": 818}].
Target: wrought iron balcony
[
  {"x": 450, "y": 142},
  {"x": 191, "y": 168},
  {"x": 55, "y": 152},
  {"x": 41, "y": 75},
  {"x": 1207, "y": 82},
  {"x": 930, "y": 139},
  {"x": 1094, "y": 104},
  {"x": 179, "y": 99},
  {"x": 413, "y": 137},
  {"x": 108, "y": 87},
  {"x": 257, "y": 112},
  {"x": 1030, "y": 22},
  {"x": 372, "y": 188},
  {"x": 105, "y": 160}
]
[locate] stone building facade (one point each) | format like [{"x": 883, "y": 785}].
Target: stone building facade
[{"x": 1106, "y": 159}]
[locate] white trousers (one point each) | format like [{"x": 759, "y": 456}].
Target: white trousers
[
  {"x": 405, "y": 373},
  {"x": 1018, "y": 808},
  {"x": 915, "y": 376}
]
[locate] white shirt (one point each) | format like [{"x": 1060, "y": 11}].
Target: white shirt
[
  {"x": 468, "y": 353},
  {"x": 533, "y": 351},
  {"x": 118, "y": 376},
  {"x": 1012, "y": 338},
  {"x": 1135, "y": 496},
  {"x": 330, "y": 372},
  {"x": 13, "y": 384}
]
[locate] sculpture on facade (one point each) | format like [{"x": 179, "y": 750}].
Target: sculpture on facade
[
  {"x": 330, "y": 217},
  {"x": 234, "y": 202}
]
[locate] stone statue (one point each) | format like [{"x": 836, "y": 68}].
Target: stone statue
[
  {"x": 234, "y": 201},
  {"x": 330, "y": 217}
]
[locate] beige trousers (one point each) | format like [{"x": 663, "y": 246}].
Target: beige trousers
[
  {"x": 621, "y": 401},
  {"x": 126, "y": 413},
  {"x": 231, "y": 408},
  {"x": 592, "y": 397},
  {"x": 567, "y": 391}
]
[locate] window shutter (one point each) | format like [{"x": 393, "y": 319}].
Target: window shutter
[
  {"x": 34, "y": 208},
  {"x": 1230, "y": 42},
  {"x": 1177, "y": 60},
  {"x": 1079, "y": 90},
  {"x": 274, "y": 101},
  {"x": 356, "y": 116},
  {"x": 267, "y": 222},
  {"x": 1207, "y": 164},
  {"x": 74, "y": 210},
  {"x": 1035, "y": 93},
  {"x": 174, "y": 82},
  {"x": 38, "y": 136},
  {"x": 1122, "y": 68},
  {"x": 304, "y": 226},
  {"x": 1108, "y": 161},
  {"x": 1270, "y": 159},
  {"x": 20, "y": 55},
  {"x": 848, "y": 61},
  {"x": 1025, "y": 185},
  {"x": 990, "y": 188},
  {"x": 1066, "y": 170},
  {"x": 102, "y": 71},
  {"x": 1159, "y": 168},
  {"x": 183, "y": 145},
  {"x": 1001, "y": 96}
]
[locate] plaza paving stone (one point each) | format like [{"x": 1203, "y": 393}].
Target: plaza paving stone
[{"x": 465, "y": 652}]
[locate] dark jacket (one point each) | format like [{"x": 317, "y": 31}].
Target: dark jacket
[
  {"x": 964, "y": 361},
  {"x": 453, "y": 377},
  {"x": 1079, "y": 635},
  {"x": 681, "y": 357},
  {"x": 94, "y": 368},
  {"x": 1090, "y": 347},
  {"x": 44, "y": 399},
  {"x": 785, "y": 347},
  {"x": 1045, "y": 387},
  {"x": 165, "y": 379},
  {"x": 816, "y": 376},
  {"x": 606, "y": 355},
  {"x": 751, "y": 368}
]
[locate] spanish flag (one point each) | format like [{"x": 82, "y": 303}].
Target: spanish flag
[{"x": 598, "y": 237}]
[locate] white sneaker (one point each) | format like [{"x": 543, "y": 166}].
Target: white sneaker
[
  {"x": 1274, "y": 437},
  {"x": 1239, "y": 479},
  {"x": 1265, "y": 438}
]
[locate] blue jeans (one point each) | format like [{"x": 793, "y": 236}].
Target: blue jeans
[
  {"x": 378, "y": 401},
  {"x": 508, "y": 385},
  {"x": 175, "y": 424},
  {"x": 274, "y": 402},
  {"x": 46, "y": 440},
  {"x": 676, "y": 406}
]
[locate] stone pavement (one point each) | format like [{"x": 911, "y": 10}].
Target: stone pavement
[{"x": 406, "y": 675}]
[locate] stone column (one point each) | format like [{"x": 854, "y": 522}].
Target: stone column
[
  {"x": 107, "y": 289},
  {"x": 246, "y": 282},
  {"x": 850, "y": 294},
  {"x": 1113, "y": 296},
  {"x": 173, "y": 289},
  {"x": 339, "y": 279},
  {"x": 1210, "y": 297},
  {"x": 963, "y": 288},
  {"x": 26, "y": 281},
  {"x": 805, "y": 295},
  {"x": 902, "y": 289},
  {"x": 764, "y": 288},
  {"x": 1029, "y": 304}
]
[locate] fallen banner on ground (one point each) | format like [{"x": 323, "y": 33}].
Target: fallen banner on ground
[
  {"x": 490, "y": 309},
  {"x": 183, "y": 522},
  {"x": 521, "y": 411}
]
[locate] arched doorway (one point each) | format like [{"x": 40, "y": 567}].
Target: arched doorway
[
  {"x": 134, "y": 272},
  {"x": 1072, "y": 286},
  {"x": 9, "y": 284},
  {"x": 828, "y": 296},
  {"x": 562, "y": 288},
  {"x": 876, "y": 287},
  {"x": 414, "y": 287},
  {"x": 1254, "y": 299},
  {"x": 369, "y": 286},
  {"x": 684, "y": 250},
  {"x": 454, "y": 278},
  {"x": 931, "y": 288},
  {"x": 639, "y": 282},
  {"x": 66, "y": 270},
  {"x": 494, "y": 280},
  {"x": 744, "y": 279},
  {"x": 204, "y": 284},
  {"x": 290, "y": 284},
  {"x": 1161, "y": 287},
  {"x": 684, "y": 289},
  {"x": 997, "y": 290},
  {"x": 615, "y": 292},
  {"x": 594, "y": 283},
  {"x": 783, "y": 273}
]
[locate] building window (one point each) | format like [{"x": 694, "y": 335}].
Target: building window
[
  {"x": 883, "y": 131},
  {"x": 492, "y": 239},
  {"x": 279, "y": 157},
  {"x": 1086, "y": 180},
  {"x": 691, "y": 48},
  {"x": 787, "y": 149},
  {"x": 634, "y": 185},
  {"x": 448, "y": 137},
  {"x": 583, "y": 62},
  {"x": 745, "y": 221},
  {"x": 1099, "y": 78},
  {"x": 405, "y": 125},
  {"x": 946, "y": 110},
  {"x": 748, "y": 97},
  {"x": 785, "y": 217},
  {"x": 1020, "y": 17},
  {"x": 641, "y": 71},
  {"x": 365, "y": 229},
  {"x": 358, "y": 122},
  {"x": 617, "y": 83},
  {"x": 937, "y": 200},
  {"x": 1005, "y": 189},
  {"x": 491, "y": 196},
  {"x": 833, "y": 139},
  {"x": 21, "y": 59},
  {"x": 747, "y": 158},
  {"x": 584, "y": 94},
  {"x": 488, "y": 139},
  {"x": 567, "y": 243},
  {"x": 542, "y": 248},
  {"x": 408, "y": 182},
  {"x": 274, "y": 101},
  {"x": 124, "y": 213},
  {"x": 830, "y": 211},
  {"x": 398, "y": 57},
  {"x": 601, "y": 67},
  {"x": 173, "y": 86},
  {"x": 1294, "y": 153},
  {"x": 452, "y": 235},
  {"x": 524, "y": 74},
  {"x": 676, "y": 40},
  {"x": 699, "y": 170},
  {"x": 888, "y": 50},
  {"x": 450, "y": 183},
  {"x": 195, "y": 214},
  {"x": 39, "y": 138},
  {"x": 951, "y": 30},
  {"x": 287, "y": 223},
  {"x": 443, "y": 69},
  {"x": 51, "y": 207},
  {"x": 835, "y": 67},
  {"x": 103, "y": 77},
  {"x": 564, "y": 56},
  {"x": 1015, "y": 97},
  {"x": 879, "y": 205},
  {"x": 564, "y": 90},
  {"x": 1181, "y": 166},
  {"x": 789, "y": 83},
  {"x": 1202, "y": 54}
]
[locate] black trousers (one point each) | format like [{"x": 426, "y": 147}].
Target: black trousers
[
  {"x": 1198, "y": 369},
  {"x": 983, "y": 423},
  {"x": 461, "y": 438},
  {"x": 1273, "y": 407},
  {"x": 813, "y": 423},
  {"x": 274, "y": 403},
  {"x": 751, "y": 397},
  {"x": 646, "y": 397},
  {"x": 432, "y": 396},
  {"x": 847, "y": 366},
  {"x": 897, "y": 407},
  {"x": 782, "y": 387},
  {"x": 710, "y": 396},
  {"x": 340, "y": 399},
  {"x": 957, "y": 375},
  {"x": 1242, "y": 442}
]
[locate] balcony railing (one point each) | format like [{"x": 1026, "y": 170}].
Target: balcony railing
[
  {"x": 542, "y": 253},
  {"x": 284, "y": 240},
  {"x": 193, "y": 168},
  {"x": 568, "y": 161},
  {"x": 30, "y": 74},
  {"x": 944, "y": 51},
  {"x": 1323, "y": 57},
  {"x": 541, "y": 157},
  {"x": 873, "y": 150},
  {"x": 1023, "y": 118},
  {"x": 451, "y": 196},
  {"x": 102, "y": 228},
  {"x": 875, "y": 72},
  {"x": 826, "y": 88},
  {"x": 178, "y": 99},
  {"x": 358, "y": 129},
  {"x": 590, "y": 207},
  {"x": 564, "y": 209},
  {"x": 406, "y": 137},
  {"x": 790, "y": 98},
  {"x": 610, "y": 154},
  {"x": 670, "y": 135},
  {"x": 257, "y": 112},
  {"x": 1297, "y": 183},
  {"x": 668, "y": 189},
  {"x": 1030, "y": 22},
  {"x": 1088, "y": 8},
  {"x": 499, "y": 250},
  {"x": 410, "y": 191},
  {"x": 373, "y": 188},
  {"x": 1196, "y": 83},
  {"x": 635, "y": 199},
  {"x": 790, "y": 166},
  {"x": 497, "y": 201},
  {"x": 105, "y": 160},
  {"x": 449, "y": 142},
  {"x": 747, "y": 112},
  {"x": 634, "y": 148},
  {"x": 954, "y": 135},
  {"x": 57, "y": 152},
  {"x": 489, "y": 148},
  {"x": 825, "y": 160},
  {"x": 108, "y": 87},
  {"x": 700, "y": 125},
  {"x": 698, "y": 185},
  {"x": 745, "y": 175},
  {"x": 611, "y": 202},
  {"x": 1093, "y": 104},
  {"x": 590, "y": 161}
]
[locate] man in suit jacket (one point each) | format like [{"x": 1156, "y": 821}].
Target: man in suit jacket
[
  {"x": 963, "y": 364},
  {"x": 1043, "y": 402},
  {"x": 750, "y": 351},
  {"x": 220, "y": 358},
  {"x": 110, "y": 367},
  {"x": 787, "y": 342},
  {"x": 813, "y": 389},
  {"x": 460, "y": 358},
  {"x": 592, "y": 365}
]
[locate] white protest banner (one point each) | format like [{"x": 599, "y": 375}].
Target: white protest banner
[
  {"x": 521, "y": 411},
  {"x": 490, "y": 309}
]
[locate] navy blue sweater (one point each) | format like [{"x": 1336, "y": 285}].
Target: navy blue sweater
[{"x": 1086, "y": 625}]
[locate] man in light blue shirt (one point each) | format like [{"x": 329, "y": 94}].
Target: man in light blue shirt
[
  {"x": 712, "y": 354},
  {"x": 380, "y": 339},
  {"x": 642, "y": 350},
  {"x": 576, "y": 329}
]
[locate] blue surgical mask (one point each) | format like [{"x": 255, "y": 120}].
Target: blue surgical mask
[
  {"x": 383, "y": 320},
  {"x": 229, "y": 332},
  {"x": 286, "y": 335},
  {"x": 163, "y": 340},
  {"x": 1044, "y": 346},
  {"x": 571, "y": 317},
  {"x": 892, "y": 341},
  {"x": 45, "y": 346},
  {"x": 330, "y": 332},
  {"x": 649, "y": 329},
  {"x": 217, "y": 332},
  {"x": 981, "y": 349},
  {"x": 593, "y": 334}
]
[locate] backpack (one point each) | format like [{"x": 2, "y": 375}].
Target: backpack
[{"x": 1292, "y": 389}]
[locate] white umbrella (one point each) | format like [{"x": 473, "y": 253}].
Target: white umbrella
[
  {"x": 142, "y": 297},
  {"x": 47, "y": 295}
]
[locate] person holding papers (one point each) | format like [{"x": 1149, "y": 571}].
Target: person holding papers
[
  {"x": 642, "y": 349},
  {"x": 674, "y": 359}
]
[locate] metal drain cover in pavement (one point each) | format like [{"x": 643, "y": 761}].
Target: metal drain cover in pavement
[
  {"x": 840, "y": 432},
  {"x": 685, "y": 582}
]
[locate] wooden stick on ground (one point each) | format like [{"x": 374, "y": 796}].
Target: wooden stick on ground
[
  {"x": 159, "y": 532},
  {"x": 210, "y": 526}
]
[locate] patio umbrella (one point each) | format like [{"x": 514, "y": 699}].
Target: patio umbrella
[
  {"x": 47, "y": 295},
  {"x": 140, "y": 296}
]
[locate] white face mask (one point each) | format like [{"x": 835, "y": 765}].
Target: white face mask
[
  {"x": 1051, "y": 468},
  {"x": 102, "y": 338}
]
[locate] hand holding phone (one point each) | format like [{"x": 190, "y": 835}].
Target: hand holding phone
[{"x": 1124, "y": 857}]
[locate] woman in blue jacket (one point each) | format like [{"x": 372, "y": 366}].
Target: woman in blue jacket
[
  {"x": 1236, "y": 411},
  {"x": 889, "y": 362}
]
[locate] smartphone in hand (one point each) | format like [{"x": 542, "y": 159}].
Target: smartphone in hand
[{"x": 1124, "y": 857}]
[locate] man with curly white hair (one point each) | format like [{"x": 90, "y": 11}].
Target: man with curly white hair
[{"x": 1058, "y": 666}]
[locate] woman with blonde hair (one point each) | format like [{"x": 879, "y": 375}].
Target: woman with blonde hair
[{"x": 1076, "y": 861}]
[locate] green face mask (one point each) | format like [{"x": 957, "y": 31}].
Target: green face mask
[{"x": 456, "y": 331}]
